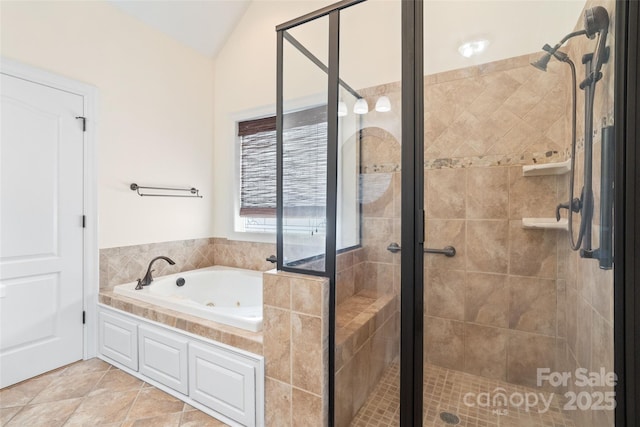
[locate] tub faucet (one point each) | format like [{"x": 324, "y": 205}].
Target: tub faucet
[{"x": 147, "y": 277}]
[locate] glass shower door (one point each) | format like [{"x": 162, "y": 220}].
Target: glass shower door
[
  {"x": 518, "y": 320},
  {"x": 367, "y": 346}
]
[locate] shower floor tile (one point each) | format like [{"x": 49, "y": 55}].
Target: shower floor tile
[
  {"x": 445, "y": 391},
  {"x": 93, "y": 392}
]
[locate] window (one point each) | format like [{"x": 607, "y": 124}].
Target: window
[{"x": 305, "y": 157}]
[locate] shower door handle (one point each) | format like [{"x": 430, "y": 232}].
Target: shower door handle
[{"x": 448, "y": 251}]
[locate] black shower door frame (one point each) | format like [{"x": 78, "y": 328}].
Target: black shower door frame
[
  {"x": 627, "y": 213},
  {"x": 627, "y": 203},
  {"x": 412, "y": 215}
]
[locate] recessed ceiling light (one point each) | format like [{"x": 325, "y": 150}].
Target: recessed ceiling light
[{"x": 474, "y": 47}]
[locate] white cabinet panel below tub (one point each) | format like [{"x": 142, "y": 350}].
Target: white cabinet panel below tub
[
  {"x": 118, "y": 339},
  {"x": 224, "y": 382},
  {"x": 163, "y": 357}
]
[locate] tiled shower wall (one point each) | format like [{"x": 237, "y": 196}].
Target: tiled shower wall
[
  {"x": 492, "y": 310},
  {"x": 588, "y": 290},
  {"x": 128, "y": 263}
]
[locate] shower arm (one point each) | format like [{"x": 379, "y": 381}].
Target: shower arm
[{"x": 552, "y": 50}]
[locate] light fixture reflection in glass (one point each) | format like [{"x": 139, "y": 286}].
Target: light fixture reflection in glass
[
  {"x": 342, "y": 109},
  {"x": 383, "y": 104},
  {"x": 361, "y": 106},
  {"x": 474, "y": 47}
]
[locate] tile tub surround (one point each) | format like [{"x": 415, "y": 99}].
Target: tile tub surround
[
  {"x": 93, "y": 392},
  {"x": 235, "y": 337},
  {"x": 296, "y": 348},
  {"x": 294, "y": 342},
  {"x": 128, "y": 263}
]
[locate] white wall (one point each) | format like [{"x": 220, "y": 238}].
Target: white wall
[
  {"x": 155, "y": 111},
  {"x": 245, "y": 81}
]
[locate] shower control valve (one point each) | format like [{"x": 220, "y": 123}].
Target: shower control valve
[{"x": 576, "y": 205}]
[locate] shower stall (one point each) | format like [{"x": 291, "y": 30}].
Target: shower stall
[{"x": 442, "y": 192}]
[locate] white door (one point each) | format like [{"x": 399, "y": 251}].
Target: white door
[{"x": 41, "y": 234}]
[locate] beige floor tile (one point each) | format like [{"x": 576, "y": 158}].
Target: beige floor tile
[
  {"x": 102, "y": 408},
  {"x": 188, "y": 408},
  {"x": 199, "y": 419},
  {"x": 152, "y": 402},
  {"x": 169, "y": 420},
  {"x": 94, "y": 393},
  {"x": 444, "y": 391},
  {"x": 68, "y": 387},
  {"x": 86, "y": 366},
  {"x": 7, "y": 413},
  {"x": 50, "y": 414},
  {"x": 117, "y": 380},
  {"x": 22, "y": 393}
]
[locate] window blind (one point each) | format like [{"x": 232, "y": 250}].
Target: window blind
[{"x": 304, "y": 164}]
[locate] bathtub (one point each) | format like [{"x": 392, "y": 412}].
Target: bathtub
[{"x": 227, "y": 295}]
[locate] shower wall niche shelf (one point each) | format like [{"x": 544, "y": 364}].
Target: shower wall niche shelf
[
  {"x": 559, "y": 168},
  {"x": 545, "y": 223}
]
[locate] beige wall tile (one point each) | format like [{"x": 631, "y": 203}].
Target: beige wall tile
[
  {"x": 344, "y": 260},
  {"x": 446, "y": 194},
  {"x": 532, "y": 305},
  {"x": 487, "y": 299},
  {"x": 361, "y": 374},
  {"x": 561, "y": 310},
  {"x": 378, "y": 277},
  {"x": 307, "y": 360},
  {"x": 602, "y": 350},
  {"x": 377, "y": 195},
  {"x": 444, "y": 342},
  {"x": 532, "y": 252},
  {"x": 379, "y": 148},
  {"x": 441, "y": 233},
  {"x": 345, "y": 285},
  {"x": 308, "y": 409},
  {"x": 277, "y": 403},
  {"x": 488, "y": 193},
  {"x": 572, "y": 319},
  {"x": 487, "y": 246},
  {"x": 531, "y": 196},
  {"x": 344, "y": 396},
  {"x": 445, "y": 293},
  {"x": 306, "y": 297},
  {"x": 583, "y": 337},
  {"x": 526, "y": 353},
  {"x": 485, "y": 351},
  {"x": 277, "y": 343},
  {"x": 276, "y": 290},
  {"x": 602, "y": 289}
]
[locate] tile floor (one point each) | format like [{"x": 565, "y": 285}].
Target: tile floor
[
  {"x": 444, "y": 391},
  {"x": 94, "y": 393}
]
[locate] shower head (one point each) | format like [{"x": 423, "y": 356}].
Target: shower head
[
  {"x": 596, "y": 20},
  {"x": 543, "y": 61}
]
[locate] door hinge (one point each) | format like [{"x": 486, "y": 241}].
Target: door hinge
[
  {"x": 84, "y": 317},
  {"x": 84, "y": 221},
  {"x": 84, "y": 123}
]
